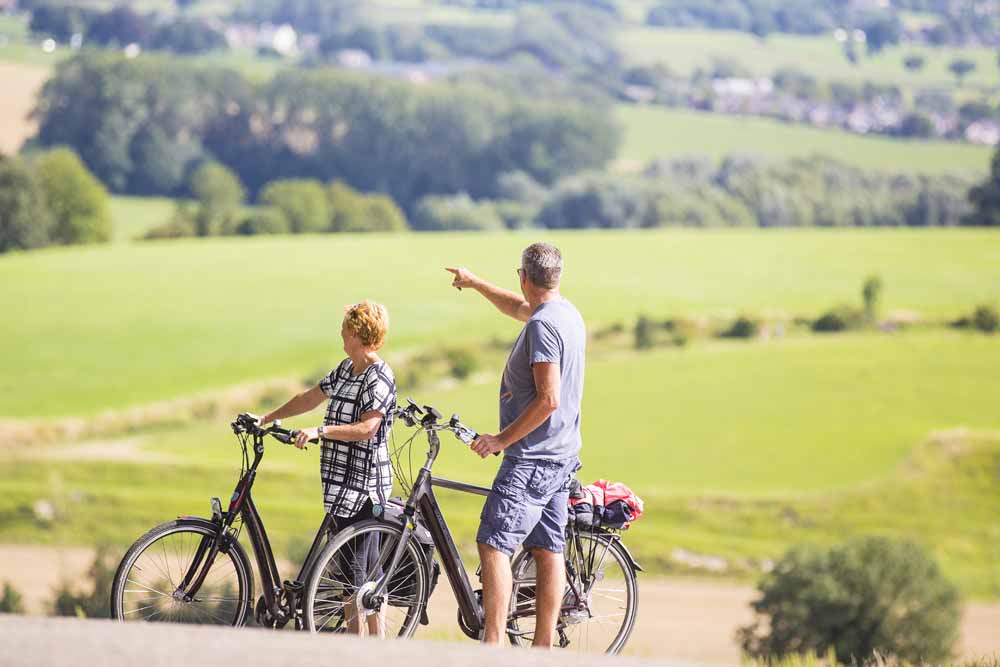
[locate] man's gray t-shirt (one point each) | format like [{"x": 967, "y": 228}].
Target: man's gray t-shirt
[{"x": 555, "y": 333}]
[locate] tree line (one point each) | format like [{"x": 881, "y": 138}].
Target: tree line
[{"x": 144, "y": 125}]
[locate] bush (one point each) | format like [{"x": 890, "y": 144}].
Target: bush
[
  {"x": 456, "y": 212},
  {"x": 742, "y": 327},
  {"x": 303, "y": 202},
  {"x": 869, "y": 597},
  {"x": 77, "y": 201},
  {"x": 871, "y": 294},
  {"x": 643, "y": 333},
  {"x": 840, "y": 318},
  {"x": 219, "y": 194},
  {"x": 11, "y": 601},
  {"x": 181, "y": 225},
  {"x": 986, "y": 319},
  {"x": 353, "y": 211},
  {"x": 95, "y": 600},
  {"x": 462, "y": 362},
  {"x": 25, "y": 221},
  {"x": 263, "y": 221}
]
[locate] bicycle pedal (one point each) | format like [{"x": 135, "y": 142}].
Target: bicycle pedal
[{"x": 293, "y": 586}]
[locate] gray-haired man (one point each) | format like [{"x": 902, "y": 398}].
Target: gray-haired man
[{"x": 539, "y": 434}]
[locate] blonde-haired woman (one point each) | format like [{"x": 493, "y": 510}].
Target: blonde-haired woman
[{"x": 355, "y": 467}]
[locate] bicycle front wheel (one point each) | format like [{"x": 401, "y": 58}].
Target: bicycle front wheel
[
  {"x": 148, "y": 583},
  {"x": 350, "y": 566},
  {"x": 600, "y": 600}
]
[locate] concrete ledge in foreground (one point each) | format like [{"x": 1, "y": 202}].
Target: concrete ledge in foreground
[{"x": 37, "y": 641}]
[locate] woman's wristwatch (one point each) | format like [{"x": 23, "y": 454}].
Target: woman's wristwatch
[{"x": 319, "y": 431}]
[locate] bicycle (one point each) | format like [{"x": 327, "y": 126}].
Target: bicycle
[
  {"x": 209, "y": 576},
  {"x": 202, "y": 563},
  {"x": 598, "y": 608}
]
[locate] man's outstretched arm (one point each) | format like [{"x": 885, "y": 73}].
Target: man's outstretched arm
[{"x": 507, "y": 302}]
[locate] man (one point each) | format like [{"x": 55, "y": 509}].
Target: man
[{"x": 539, "y": 435}]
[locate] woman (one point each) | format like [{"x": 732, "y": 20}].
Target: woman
[{"x": 355, "y": 468}]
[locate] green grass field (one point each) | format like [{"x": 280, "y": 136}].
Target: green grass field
[
  {"x": 739, "y": 450},
  {"x": 134, "y": 216},
  {"x": 126, "y": 324},
  {"x": 821, "y": 56},
  {"x": 652, "y": 133}
]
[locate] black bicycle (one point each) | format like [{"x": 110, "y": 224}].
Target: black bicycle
[
  {"x": 194, "y": 570},
  {"x": 598, "y": 607}
]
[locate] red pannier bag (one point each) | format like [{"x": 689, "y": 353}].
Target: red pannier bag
[{"x": 605, "y": 504}]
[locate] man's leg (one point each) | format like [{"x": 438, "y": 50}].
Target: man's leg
[
  {"x": 497, "y": 582},
  {"x": 550, "y": 586}
]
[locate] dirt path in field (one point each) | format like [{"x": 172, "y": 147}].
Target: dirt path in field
[
  {"x": 682, "y": 620},
  {"x": 21, "y": 85}
]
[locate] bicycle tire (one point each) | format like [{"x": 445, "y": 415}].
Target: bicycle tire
[
  {"x": 169, "y": 565},
  {"x": 575, "y": 625},
  {"x": 332, "y": 584}
]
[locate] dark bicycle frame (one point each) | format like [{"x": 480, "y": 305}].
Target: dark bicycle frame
[
  {"x": 422, "y": 509},
  {"x": 282, "y": 601}
]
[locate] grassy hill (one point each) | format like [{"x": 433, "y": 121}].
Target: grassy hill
[
  {"x": 686, "y": 49},
  {"x": 739, "y": 450},
  {"x": 652, "y": 133},
  {"x": 121, "y": 325}
]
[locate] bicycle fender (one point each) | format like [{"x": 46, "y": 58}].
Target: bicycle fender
[
  {"x": 628, "y": 554},
  {"x": 228, "y": 538},
  {"x": 393, "y": 513}
]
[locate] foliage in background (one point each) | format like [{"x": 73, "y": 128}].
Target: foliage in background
[
  {"x": 985, "y": 197},
  {"x": 93, "y": 601},
  {"x": 142, "y": 125},
  {"x": 869, "y": 597},
  {"x": 77, "y": 201},
  {"x": 11, "y": 602},
  {"x": 25, "y": 220},
  {"x": 219, "y": 194}
]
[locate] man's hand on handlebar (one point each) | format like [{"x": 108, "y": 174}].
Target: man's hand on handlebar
[
  {"x": 305, "y": 435},
  {"x": 487, "y": 444}
]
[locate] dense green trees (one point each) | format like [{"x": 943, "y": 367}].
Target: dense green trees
[
  {"x": 76, "y": 200},
  {"x": 142, "y": 125},
  {"x": 985, "y": 198},
  {"x": 220, "y": 195},
  {"x": 50, "y": 199},
  {"x": 869, "y": 600},
  {"x": 301, "y": 201},
  {"x": 25, "y": 221}
]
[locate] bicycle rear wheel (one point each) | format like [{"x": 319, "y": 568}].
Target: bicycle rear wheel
[
  {"x": 146, "y": 585},
  {"x": 351, "y": 565},
  {"x": 601, "y": 599}
]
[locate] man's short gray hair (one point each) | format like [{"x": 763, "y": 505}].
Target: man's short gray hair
[{"x": 542, "y": 264}]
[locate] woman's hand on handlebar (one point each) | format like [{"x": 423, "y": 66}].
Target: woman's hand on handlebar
[{"x": 303, "y": 437}]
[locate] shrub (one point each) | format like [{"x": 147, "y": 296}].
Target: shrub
[
  {"x": 303, "y": 202},
  {"x": 742, "y": 327},
  {"x": 871, "y": 294},
  {"x": 869, "y": 597},
  {"x": 643, "y": 333},
  {"x": 219, "y": 194},
  {"x": 11, "y": 601},
  {"x": 263, "y": 221},
  {"x": 25, "y": 220},
  {"x": 353, "y": 211},
  {"x": 840, "y": 318},
  {"x": 94, "y": 600},
  {"x": 77, "y": 201},
  {"x": 986, "y": 319},
  {"x": 462, "y": 362},
  {"x": 456, "y": 212},
  {"x": 181, "y": 225}
]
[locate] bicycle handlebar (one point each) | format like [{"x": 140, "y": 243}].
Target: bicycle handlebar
[
  {"x": 428, "y": 418},
  {"x": 248, "y": 423}
]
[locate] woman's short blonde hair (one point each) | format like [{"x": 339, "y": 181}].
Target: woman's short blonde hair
[{"x": 369, "y": 321}]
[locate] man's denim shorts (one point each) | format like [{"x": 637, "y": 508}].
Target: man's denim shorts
[{"x": 527, "y": 504}]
